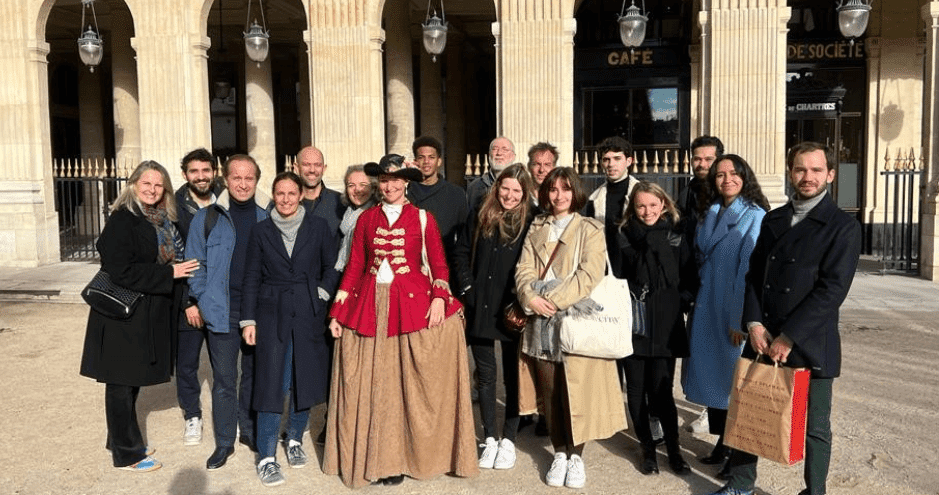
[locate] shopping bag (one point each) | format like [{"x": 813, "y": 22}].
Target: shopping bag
[
  {"x": 768, "y": 404},
  {"x": 607, "y": 333}
]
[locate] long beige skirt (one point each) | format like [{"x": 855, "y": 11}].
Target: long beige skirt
[{"x": 400, "y": 405}]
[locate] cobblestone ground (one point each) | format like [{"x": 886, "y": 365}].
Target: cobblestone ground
[{"x": 53, "y": 433}]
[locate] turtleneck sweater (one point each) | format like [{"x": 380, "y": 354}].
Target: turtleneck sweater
[
  {"x": 243, "y": 217},
  {"x": 802, "y": 207}
]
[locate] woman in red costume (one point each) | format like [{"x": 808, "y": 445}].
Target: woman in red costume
[{"x": 400, "y": 400}]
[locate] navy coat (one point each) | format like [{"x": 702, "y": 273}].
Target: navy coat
[
  {"x": 280, "y": 295},
  {"x": 137, "y": 351},
  {"x": 798, "y": 278}
]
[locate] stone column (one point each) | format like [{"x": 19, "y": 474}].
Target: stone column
[
  {"x": 929, "y": 250},
  {"x": 744, "y": 60},
  {"x": 432, "y": 118},
  {"x": 303, "y": 97},
  {"x": 90, "y": 114},
  {"x": 28, "y": 222},
  {"x": 347, "y": 84},
  {"x": 399, "y": 79},
  {"x": 124, "y": 78},
  {"x": 536, "y": 39},
  {"x": 172, "y": 82},
  {"x": 456, "y": 116},
  {"x": 259, "y": 111}
]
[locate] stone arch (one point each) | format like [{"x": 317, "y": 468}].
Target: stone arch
[{"x": 207, "y": 8}]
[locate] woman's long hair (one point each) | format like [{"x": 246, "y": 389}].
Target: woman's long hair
[
  {"x": 128, "y": 196},
  {"x": 750, "y": 190},
  {"x": 669, "y": 209},
  {"x": 509, "y": 224}
]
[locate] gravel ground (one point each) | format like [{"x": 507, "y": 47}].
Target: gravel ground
[{"x": 886, "y": 411}]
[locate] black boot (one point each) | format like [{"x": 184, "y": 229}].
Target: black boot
[
  {"x": 675, "y": 461},
  {"x": 719, "y": 455},
  {"x": 649, "y": 464}
]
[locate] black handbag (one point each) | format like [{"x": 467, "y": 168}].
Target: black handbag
[{"x": 110, "y": 299}]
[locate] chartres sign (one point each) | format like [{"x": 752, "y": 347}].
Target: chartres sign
[
  {"x": 809, "y": 51},
  {"x": 828, "y": 106}
]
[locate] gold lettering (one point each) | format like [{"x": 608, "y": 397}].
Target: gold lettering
[
  {"x": 647, "y": 57},
  {"x": 613, "y": 58}
]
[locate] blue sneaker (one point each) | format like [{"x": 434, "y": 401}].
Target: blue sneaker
[
  {"x": 145, "y": 466},
  {"x": 732, "y": 491}
]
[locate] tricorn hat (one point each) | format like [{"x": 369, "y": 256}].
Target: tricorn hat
[{"x": 393, "y": 164}]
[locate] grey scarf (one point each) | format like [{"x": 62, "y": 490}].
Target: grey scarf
[{"x": 288, "y": 227}]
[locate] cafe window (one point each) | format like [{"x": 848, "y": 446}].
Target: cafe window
[{"x": 646, "y": 117}]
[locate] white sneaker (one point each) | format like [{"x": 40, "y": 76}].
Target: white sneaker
[
  {"x": 505, "y": 459},
  {"x": 576, "y": 474},
  {"x": 193, "y": 433},
  {"x": 699, "y": 425},
  {"x": 488, "y": 458},
  {"x": 558, "y": 472}
]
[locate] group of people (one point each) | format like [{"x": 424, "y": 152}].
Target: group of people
[{"x": 369, "y": 299}]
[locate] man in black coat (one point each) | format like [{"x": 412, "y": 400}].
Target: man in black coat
[
  {"x": 704, "y": 151},
  {"x": 800, "y": 272}
]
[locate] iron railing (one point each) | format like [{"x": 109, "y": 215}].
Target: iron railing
[{"x": 903, "y": 183}]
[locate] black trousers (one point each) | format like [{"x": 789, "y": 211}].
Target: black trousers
[
  {"x": 124, "y": 438},
  {"x": 651, "y": 378},
  {"x": 817, "y": 444},
  {"x": 484, "y": 353},
  {"x": 188, "y": 354}
]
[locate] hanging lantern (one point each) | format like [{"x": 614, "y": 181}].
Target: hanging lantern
[
  {"x": 90, "y": 44},
  {"x": 632, "y": 25},
  {"x": 257, "y": 37},
  {"x": 853, "y": 17},
  {"x": 435, "y": 32}
]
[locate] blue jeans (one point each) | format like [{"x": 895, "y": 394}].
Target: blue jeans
[
  {"x": 231, "y": 406},
  {"x": 269, "y": 422}
]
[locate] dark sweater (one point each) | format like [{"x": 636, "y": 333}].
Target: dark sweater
[
  {"x": 615, "y": 199},
  {"x": 243, "y": 216}
]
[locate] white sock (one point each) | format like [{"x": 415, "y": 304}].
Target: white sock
[
  {"x": 264, "y": 461},
  {"x": 293, "y": 443}
]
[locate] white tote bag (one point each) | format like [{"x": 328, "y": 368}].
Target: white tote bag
[{"x": 608, "y": 333}]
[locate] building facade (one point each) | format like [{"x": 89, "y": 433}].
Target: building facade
[{"x": 352, "y": 78}]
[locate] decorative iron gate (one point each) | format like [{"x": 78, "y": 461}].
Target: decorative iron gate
[
  {"x": 84, "y": 191},
  {"x": 903, "y": 183}
]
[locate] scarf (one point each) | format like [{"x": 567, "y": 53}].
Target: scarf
[
  {"x": 288, "y": 227},
  {"x": 656, "y": 266},
  {"x": 169, "y": 242},
  {"x": 347, "y": 228}
]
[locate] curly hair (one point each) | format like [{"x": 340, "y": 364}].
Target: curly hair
[
  {"x": 750, "y": 191},
  {"x": 508, "y": 224}
]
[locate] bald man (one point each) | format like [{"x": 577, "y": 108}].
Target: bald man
[{"x": 317, "y": 198}]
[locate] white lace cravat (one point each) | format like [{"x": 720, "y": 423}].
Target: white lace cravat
[{"x": 385, "y": 274}]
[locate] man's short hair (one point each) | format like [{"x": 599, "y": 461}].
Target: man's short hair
[
  {"x": 427, "y": 141},
  {"x": 541, "y": 148},
  {"x": 243, "y": 158},
  {"x": 808, "y": 147},
  {"x": 615, "y": 144},
  {"x": 706, "y": 140},
  {"x": 198, "y": 155}
]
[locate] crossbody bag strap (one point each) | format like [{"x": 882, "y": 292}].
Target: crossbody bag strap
[
  {"x": 550, "y": 260},
  {"x": 422, "y": 213}
]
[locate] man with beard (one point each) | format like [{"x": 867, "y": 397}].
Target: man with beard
[
  {"x": 317, "y": 198},
  {"x": 800, "y": 272},
  {"x": 200, "y": 190},
  {"x": 445, "y": 201},
  {"x": 501, "y": 155},
  {"x": 704, "y": 150}
]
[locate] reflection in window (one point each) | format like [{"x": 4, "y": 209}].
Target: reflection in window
[{"x": 645, "y": 117}]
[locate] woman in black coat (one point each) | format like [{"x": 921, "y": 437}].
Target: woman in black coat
[
  {"x": 139, "y": 247},
  {"x": 658, "y": 263},
  {"x": 485, "y": 257},
  {"x": 289, "y": 277}
]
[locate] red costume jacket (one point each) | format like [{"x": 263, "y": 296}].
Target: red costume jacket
[{"x": 411, "y": 291}]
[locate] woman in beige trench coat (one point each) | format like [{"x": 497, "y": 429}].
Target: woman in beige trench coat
[{"x": 582, "y": 397}]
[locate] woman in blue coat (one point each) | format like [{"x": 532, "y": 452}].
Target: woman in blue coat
[
  {"x": 733, "y": 211},
  {"x": 289, "y": 277}
]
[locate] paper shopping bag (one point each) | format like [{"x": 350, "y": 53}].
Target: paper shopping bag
[{"x": 767, "y": 411}]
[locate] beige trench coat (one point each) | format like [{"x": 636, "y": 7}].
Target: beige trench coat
[{"x": 594, "y": 392}]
